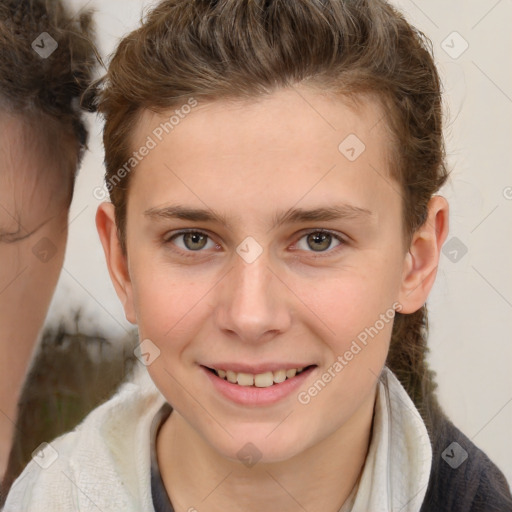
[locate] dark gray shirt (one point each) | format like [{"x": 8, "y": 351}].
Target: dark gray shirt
[{"x": 161, "y": 501}]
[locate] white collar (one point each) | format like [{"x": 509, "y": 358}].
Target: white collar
[
  {"x": 397, "y": 467},
  {"x": 396, "y": 471}
]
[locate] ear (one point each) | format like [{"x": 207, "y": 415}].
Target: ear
[
  {"x": 420, "y": 265},
  {"x": 117, "y": 262}
]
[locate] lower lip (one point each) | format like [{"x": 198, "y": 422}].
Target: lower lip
[{"x": 251, "y": 395}]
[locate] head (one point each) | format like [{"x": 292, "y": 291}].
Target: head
[
  {"x": 277, "y": 106},
  {"x": 46, "y": 64}
]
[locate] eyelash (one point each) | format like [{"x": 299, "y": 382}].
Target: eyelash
[{"x": 320, "y": 254}]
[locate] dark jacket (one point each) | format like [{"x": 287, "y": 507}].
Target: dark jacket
[{"x": 460, "y": 484}]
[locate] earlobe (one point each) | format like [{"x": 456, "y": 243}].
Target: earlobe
[
  {"x": 421, "y": 262},
  {"x": 117, "y": 262}
]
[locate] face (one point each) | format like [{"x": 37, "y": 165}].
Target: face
[
  {"x": 33, "y": 234},
  {"x": 296, "y": 253}
]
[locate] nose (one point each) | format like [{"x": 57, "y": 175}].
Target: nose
[{"x": 253, "y": 303}]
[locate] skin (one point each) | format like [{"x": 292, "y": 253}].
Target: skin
[
  {"x": 33, "y": 217},
  {"x": 298, "y": 302}
]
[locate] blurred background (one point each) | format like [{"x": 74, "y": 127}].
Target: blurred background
[{"x": 86, "y": 348}]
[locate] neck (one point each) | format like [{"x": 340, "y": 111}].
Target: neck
[{"x": 318, "y": 479}]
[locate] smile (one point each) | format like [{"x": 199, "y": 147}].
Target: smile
[
  {"x": 260, "y": 380},
  {"x": 268, "y": 384}
]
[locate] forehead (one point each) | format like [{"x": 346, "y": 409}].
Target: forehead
[
  {"x": 36, "y": 172},
  {"x": 304, "y": 113},
  {"x": 36, "y": 144},
  {"x": 292, "y": 144}
]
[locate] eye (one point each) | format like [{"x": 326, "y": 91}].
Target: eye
[
  {"x": 320, "y": 240},
  {"x": 192, "y": 241}
]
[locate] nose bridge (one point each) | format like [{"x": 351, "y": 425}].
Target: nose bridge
[{"x": 252, "y": 304}]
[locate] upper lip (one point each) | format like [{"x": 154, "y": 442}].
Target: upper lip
[{"x": 256, "y": 369}]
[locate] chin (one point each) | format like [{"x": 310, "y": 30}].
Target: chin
[{"x": 259, "y": 447}]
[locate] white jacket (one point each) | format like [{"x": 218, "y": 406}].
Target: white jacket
[{"x": 104, "y": 464}]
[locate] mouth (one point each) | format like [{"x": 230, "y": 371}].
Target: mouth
[
  {"x": 268, "y": 385},
  {"x": 260, "y": 380}
]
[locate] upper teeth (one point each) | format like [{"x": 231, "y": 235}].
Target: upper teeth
[{"x": 261, "y": 380}]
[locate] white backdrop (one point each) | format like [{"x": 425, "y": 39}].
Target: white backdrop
[{"x": 471, "y": 303}]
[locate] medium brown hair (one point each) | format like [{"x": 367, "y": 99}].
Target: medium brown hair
[
  {"x": 243, "y": 49},
  {"x": 45, "y": 93}
]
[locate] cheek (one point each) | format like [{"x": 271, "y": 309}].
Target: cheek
[
  {"x": 360, "y": 314},
  {"x": 168, "y": 304},
  {"x": 37, "y": 262},
  {"x": 353, "y": 299}
]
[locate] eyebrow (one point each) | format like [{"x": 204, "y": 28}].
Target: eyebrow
[{"x": 291, "y": 216}]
